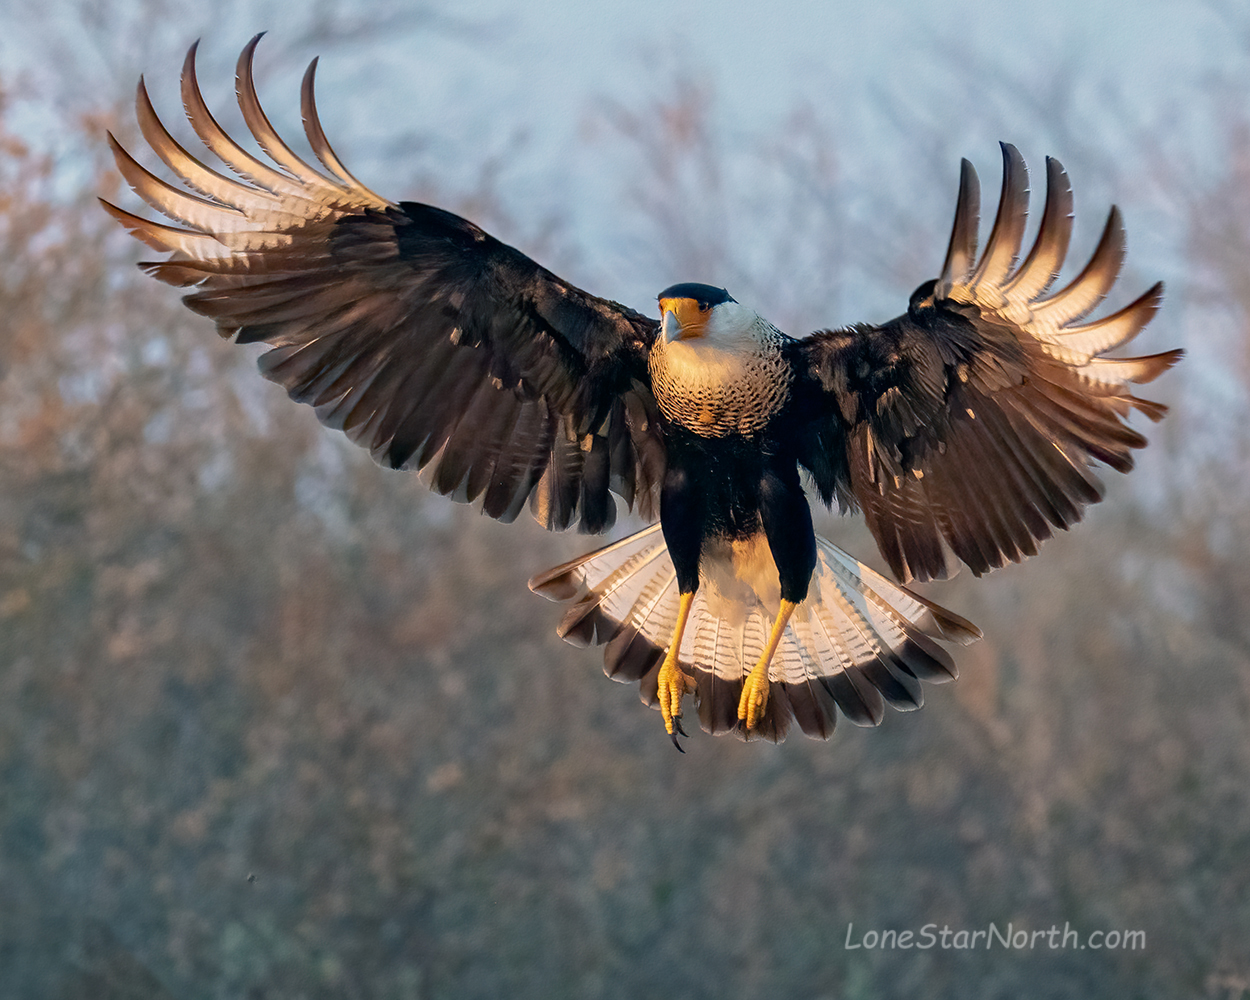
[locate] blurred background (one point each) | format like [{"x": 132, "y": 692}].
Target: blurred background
[{"x": 275, "y": 723}]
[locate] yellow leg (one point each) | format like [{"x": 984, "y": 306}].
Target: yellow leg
[
  {"x": 755, "y": 689},
  {"x": 674, "y": 684}
]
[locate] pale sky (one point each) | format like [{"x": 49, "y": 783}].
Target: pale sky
[{"x": 905, "y": 89}]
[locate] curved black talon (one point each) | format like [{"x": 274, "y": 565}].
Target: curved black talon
[{"x": 677, "y": 730}]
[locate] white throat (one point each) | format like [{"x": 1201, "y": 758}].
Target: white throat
[{"x": 733, "y": 379}]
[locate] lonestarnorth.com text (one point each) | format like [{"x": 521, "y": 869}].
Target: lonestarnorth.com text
[{"x": 1010, "y": 938}]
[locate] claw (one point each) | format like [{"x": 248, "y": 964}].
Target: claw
[
  {"x": 673, "y": 737},
  {"x": 754, "y": 696},
  {"x": 672, "y": 684},
  {"x": 755, "y": 688}
]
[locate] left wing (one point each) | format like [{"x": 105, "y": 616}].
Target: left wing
[
  {"x": 423, "y": 338},
  {"x": 969, "y": 424}
]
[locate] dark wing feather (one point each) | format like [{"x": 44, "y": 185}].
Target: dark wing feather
[
  {"x": 423, "y": 338},
  {"x": 969, "y": 424}
]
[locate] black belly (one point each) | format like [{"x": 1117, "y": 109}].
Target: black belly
[{"x": 734, "y": 488}]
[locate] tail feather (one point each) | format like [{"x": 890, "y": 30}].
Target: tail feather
[{"x": 857, "y": 643}]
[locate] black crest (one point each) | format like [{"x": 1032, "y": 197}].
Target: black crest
[{"x": 706, "y": 295}]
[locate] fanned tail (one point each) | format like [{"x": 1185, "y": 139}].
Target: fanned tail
[{"x": 857, "y": 643}]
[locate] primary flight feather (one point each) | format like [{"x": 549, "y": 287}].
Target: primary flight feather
[{"x": 965, "y": 429}]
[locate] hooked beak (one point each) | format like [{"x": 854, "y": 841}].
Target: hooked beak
[{"x": 670, "y": 328}]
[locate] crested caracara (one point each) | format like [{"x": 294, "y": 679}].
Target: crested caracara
[{"x": 964, "y": 429}]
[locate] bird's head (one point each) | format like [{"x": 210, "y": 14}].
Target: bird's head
[{"x": 703, "y": 313}]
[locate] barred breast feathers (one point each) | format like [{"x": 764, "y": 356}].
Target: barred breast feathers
[{"x": 719, "y": 386}]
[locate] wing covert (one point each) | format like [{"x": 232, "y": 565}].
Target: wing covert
[
  {"x": 969, "y": 424},
  {"x": 422, "y": 337}
]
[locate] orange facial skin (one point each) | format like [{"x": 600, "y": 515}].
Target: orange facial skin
[{"x": 690, "y": 316}]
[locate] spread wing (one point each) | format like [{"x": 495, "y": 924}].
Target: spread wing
[
  {"x": 969, "y": 424},
  {"x": 423, "y": 338}
]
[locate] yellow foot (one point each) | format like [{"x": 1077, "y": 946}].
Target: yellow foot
[
  {"x": 755, "y": 688},
  {"x": 674, "y": 685},
  {"x": 754, "y": 695}
]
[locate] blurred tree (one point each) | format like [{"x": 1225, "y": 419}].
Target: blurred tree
[{"x": 274, "y": 724}]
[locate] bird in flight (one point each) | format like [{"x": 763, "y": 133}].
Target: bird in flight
[{"x": 964, "y": 429}]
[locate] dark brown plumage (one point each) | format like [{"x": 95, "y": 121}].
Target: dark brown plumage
[{"x": 964, "y": 429}]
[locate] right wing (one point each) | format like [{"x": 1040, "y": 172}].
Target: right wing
[
  {"x": 968, "y": 425},
  {"x": 423, "y": 338}
]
